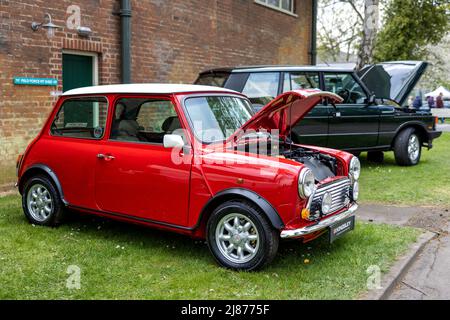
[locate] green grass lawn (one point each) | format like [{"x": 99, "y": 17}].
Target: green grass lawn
[
  {"x": 121, "y": 261},
  {"x": 428, "y": 183}
]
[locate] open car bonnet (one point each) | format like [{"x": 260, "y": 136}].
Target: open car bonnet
[
  {"x": 285, "y": 111},
  {"x": 392, "y": 80}
]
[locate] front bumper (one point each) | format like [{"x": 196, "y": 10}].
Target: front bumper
[{"x": 295, "y": 233}]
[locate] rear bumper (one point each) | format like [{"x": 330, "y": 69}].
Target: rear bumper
[{"x": 295, "y": 233}]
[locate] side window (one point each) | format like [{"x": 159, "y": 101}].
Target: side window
[
  {"x": 143, "y": 120},
  {"x": 81, "y": 118},
  {"x": 346, "y": 86},
  {"x": 262, "y": 87},
  {"x": 301, "y": 80}
]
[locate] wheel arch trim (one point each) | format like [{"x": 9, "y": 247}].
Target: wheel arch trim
[
  {"x": 412, "y": 124},
  {"x": 241, "y": 193},
  {"x": 47, "y": 170}
]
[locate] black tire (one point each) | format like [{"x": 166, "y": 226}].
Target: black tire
[
  {"x": 375, "y": 156},
  {"x": 356, "y": 153},
  {"x": 401, "y": 144},
  {"x": 56, "y": 214},
  {"x": 268, "y": 237}
]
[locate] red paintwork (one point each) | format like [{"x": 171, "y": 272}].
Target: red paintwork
[{"x": 143, "y": 182}]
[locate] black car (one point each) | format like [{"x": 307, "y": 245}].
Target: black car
[{"x": 373, "y": 117}]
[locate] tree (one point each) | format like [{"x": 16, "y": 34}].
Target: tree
[
  {"x": 347, "y": 28},
  {"x": 369, "y": 33},
  {"x": 410, "y": 28},
  {"x": 338, "y": 31}
]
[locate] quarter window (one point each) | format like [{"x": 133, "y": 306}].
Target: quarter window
[
  {"x": 345, "y": 86},
  {"x": 261, "y": 87},
  {"x": 143, "y": 120},
  {"x": 81, "y": 118}
]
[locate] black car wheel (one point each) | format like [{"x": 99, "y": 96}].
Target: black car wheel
[
  {"x": 375, "y": 156},
  {"x": 407, "y": 148},
  {"x": 240, "y": 237},
  {"x": 41, "y": 202}
]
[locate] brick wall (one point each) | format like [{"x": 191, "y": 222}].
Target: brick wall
[{"x": 171, "y": 42}]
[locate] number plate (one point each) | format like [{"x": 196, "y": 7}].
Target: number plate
[{"x": 340, "y": 228}]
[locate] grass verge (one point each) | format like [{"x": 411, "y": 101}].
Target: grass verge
[
  {"x": 120, "y": 261},
  {"x": 428, "y": 183}
]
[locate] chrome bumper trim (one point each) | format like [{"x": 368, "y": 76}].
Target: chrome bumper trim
[{"x": 320, "y": 225}]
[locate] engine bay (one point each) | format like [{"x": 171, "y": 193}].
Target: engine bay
[{"x": 322, "y": 165}]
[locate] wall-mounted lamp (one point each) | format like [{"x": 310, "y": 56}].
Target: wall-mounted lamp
[
  {"x": 84, "y": 32},
  {"x": 47, "y": 24}
]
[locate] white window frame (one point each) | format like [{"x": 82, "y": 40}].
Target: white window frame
[{"x": 277, "y": 8}]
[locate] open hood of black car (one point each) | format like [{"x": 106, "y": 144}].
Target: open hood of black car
[{"x": 392, "y": 80}]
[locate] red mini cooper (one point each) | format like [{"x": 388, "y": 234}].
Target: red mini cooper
[{"x": 191, "y": 159}]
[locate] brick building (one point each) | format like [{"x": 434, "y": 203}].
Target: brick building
[{"x": 171, "y": 41}]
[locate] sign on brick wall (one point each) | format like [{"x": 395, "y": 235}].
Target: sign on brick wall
[{"x": 35, "y": 81}]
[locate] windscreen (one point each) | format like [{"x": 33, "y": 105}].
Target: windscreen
[{"x": 216, "y": 118}]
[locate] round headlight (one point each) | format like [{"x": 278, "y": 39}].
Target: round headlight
[
  {"x": 355, "y": 191},
  {"x": 355, "y": 168},
  {"x": 327, "y": 202},
  {"x": 306, "y": 183}
]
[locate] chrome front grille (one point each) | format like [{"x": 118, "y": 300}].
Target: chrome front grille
[{"x": 340, "y": 193}]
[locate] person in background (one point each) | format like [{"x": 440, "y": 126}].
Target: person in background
[
  {"x": 440, "y": 104},
  {"x": 430, "y": 100},
  {"x": 410, "y": 102},
  {"x": 417, "y": 103}
]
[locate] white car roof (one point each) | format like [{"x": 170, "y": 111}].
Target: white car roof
[{"x": 154, "y": 88}]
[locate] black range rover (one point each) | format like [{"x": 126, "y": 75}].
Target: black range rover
[{"x": 373, "y": 117}]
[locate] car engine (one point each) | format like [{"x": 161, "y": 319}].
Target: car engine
[{"x": 322, "y": 165}]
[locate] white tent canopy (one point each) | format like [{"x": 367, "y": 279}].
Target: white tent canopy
[{"x": 436, "y": 92}]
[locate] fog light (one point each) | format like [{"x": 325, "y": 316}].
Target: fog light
[
  {"x": 327, "y": 201},
  {"x": 355, "y": 191}
]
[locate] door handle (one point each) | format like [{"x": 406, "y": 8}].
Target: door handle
[{"x": 106, "y": 157}]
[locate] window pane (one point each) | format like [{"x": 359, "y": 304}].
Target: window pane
[
  {"x": 275, "y": 3},
  {"x": 143, "y": 120},
  {"x": 286, "y": 82},
  {"x": 261, "y": 88},
  {"x": 304, "y": 80},
  {"x": 345, "y": 86},
  {"x": 286, "y": 5},
  {"x": 216, "y": 118},
  {"x": 215, "y": 79},
  {"x": 81, "y": 118}
]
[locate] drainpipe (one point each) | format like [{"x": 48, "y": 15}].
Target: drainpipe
[
  {"x": 125, "y": 20},
  {"x": 313, "y": 51}
]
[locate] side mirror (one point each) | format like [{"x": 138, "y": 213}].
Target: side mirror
[{"x": 173, "y": 141}]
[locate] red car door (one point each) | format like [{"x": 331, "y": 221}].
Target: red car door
[
  {"x": 135, "y": 175},
  {"x": 70, "y": 144}
]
